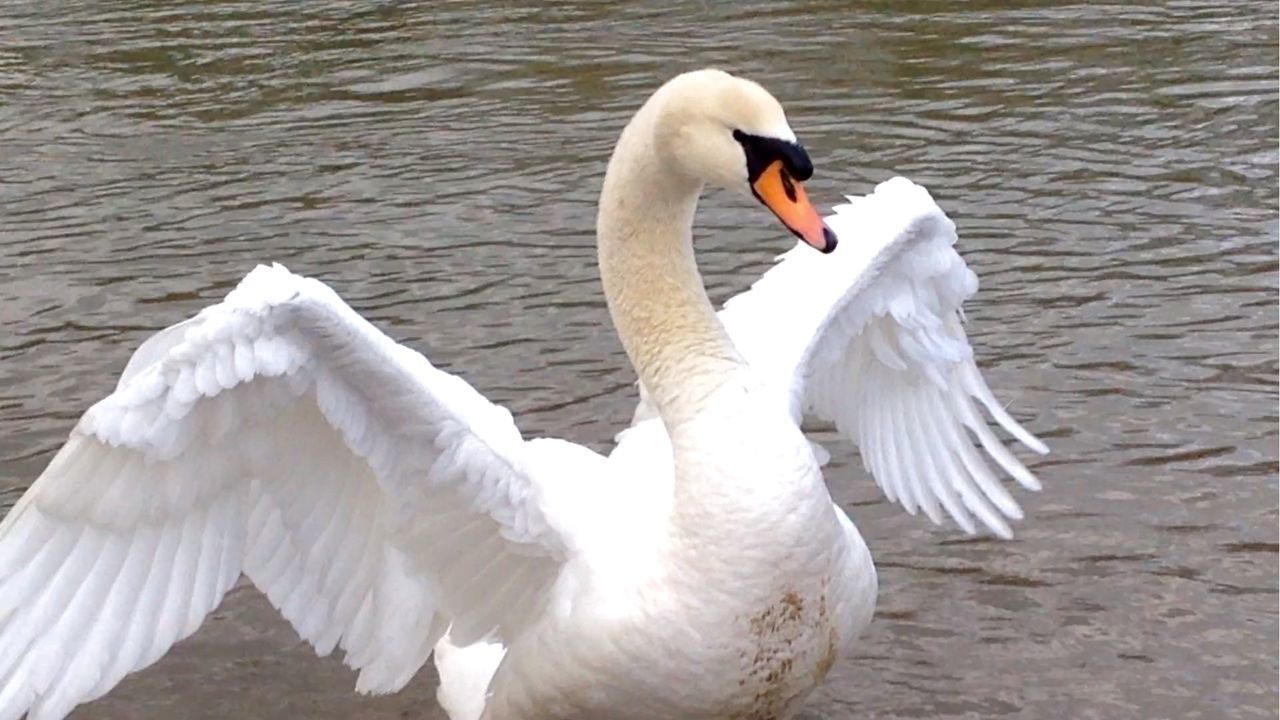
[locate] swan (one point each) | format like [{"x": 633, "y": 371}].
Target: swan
[{"x": 384, "y": 507}]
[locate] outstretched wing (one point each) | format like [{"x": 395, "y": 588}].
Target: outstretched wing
[
  {"x": 870, "y": 338},
  {"x": 373, "y": 498}
]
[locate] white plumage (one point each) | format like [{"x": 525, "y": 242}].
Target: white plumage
[
  {"x": 699, "y": 572},
  {"x": 870, "y": 338},
  {"x": 376, "y": 499},
  {"x": 280, "y": 435}
]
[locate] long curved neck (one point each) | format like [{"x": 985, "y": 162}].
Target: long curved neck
[{"x": 656, "y": 297}]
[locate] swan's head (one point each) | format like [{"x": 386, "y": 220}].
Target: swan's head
[{"x": 731, "y": 132}]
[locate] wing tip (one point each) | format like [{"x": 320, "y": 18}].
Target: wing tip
[{"x": 1036, "y": 445}]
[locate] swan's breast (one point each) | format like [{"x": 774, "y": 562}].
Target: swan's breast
[{"x": 792, "y": 644}]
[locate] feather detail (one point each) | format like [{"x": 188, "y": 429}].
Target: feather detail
[
  {"x": 870, "y": 338},
  {"x": 280, "y": 434}
]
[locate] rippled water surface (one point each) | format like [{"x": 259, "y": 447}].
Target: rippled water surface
[{"x": 1112, "y": 170}]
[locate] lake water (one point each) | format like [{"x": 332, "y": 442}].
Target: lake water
[{"x": 1112, "y": 169}]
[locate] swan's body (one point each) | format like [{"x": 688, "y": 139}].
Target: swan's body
[{"x": 698, "y": 571}]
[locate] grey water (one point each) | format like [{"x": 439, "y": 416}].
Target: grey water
[{"x": 1112, "y": 169}]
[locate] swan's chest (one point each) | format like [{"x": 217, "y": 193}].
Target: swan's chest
[
  {"x": 764, "y": 554},
  {"x": 788, "y": 647},
  {"x": 733, "y": 640},
  {"x": 769, "y": 636}
]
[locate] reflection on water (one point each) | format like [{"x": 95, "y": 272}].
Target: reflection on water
[{"x": 1112, "y": 171}]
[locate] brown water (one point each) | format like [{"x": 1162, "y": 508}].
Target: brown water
[{"x": 1112, "y": 170}]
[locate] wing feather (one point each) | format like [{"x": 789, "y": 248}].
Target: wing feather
[
  {"x": 870, "y": 338},
  {"x": 940, "y": 483},
  {"x": 371, "y": 497},
  {"x": 912, "y": 467}
]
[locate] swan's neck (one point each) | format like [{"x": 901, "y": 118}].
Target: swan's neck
[{"x": 656, "y": 297}]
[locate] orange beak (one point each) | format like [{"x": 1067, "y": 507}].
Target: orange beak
[{"x": 785, "y": 197}]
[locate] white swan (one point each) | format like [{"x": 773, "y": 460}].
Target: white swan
[{"x": 699, "y": 571}]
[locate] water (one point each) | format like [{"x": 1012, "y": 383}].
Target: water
[{"x": 1112, "y": 170}]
